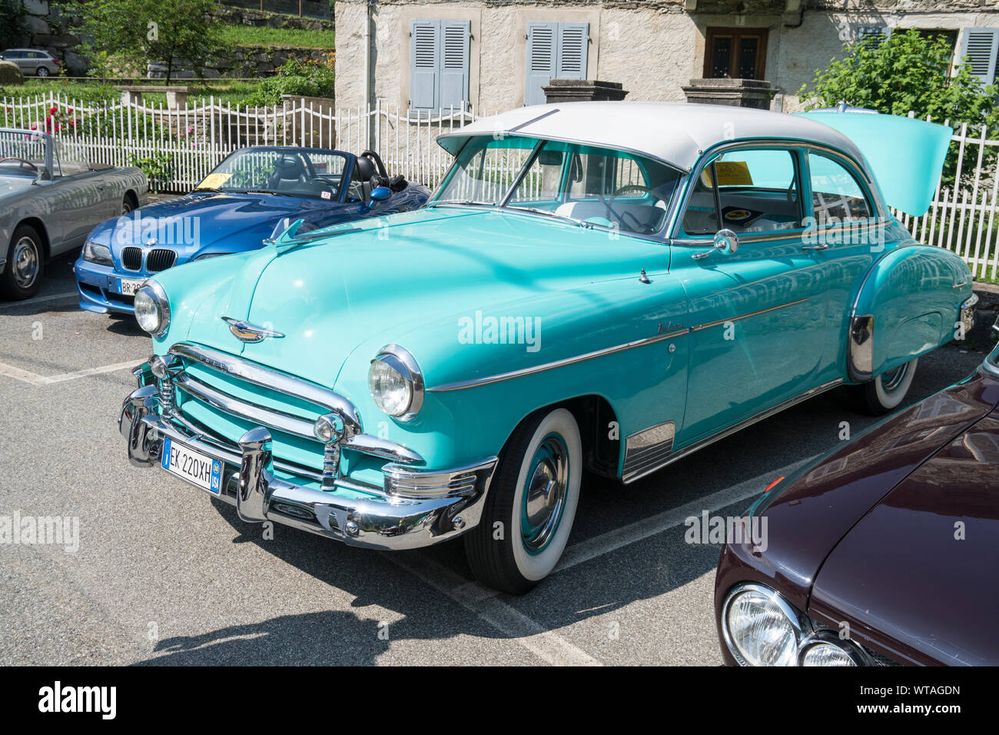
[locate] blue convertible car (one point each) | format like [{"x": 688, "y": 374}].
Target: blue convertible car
[{"x": 252, "y": 193}]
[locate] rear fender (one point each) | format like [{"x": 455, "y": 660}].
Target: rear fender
[{"x": 908, "y": 305}]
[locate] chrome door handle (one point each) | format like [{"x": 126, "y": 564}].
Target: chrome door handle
[{"x": 820, "y": 246}]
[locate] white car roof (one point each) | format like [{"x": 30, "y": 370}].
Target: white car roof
[{"x": 676, "y": 133}]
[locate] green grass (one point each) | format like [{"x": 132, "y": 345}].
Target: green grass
[{"x": 264, "y": 37}]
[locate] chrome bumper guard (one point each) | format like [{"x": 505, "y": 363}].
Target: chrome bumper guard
[{"x": 414, "y": 509}]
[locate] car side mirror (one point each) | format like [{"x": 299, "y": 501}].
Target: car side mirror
[
  {"x": 726, "y": 241},
  {"x": 378, "y": 195}
]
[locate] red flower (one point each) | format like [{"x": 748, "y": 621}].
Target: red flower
[{"x": 53, "y": 110}]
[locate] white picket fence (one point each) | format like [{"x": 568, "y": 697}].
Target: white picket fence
[{"x": 190, "y": 141}]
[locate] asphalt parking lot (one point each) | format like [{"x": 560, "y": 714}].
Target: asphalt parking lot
[{"x": 165, "y": 575}]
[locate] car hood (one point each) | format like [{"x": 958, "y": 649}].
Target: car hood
[
  {"x": 408, "y": 278},
  {"x": 918, "y": 570},
  {"x": 203, "y": 222},
  {"x": 809, "y": 513}
]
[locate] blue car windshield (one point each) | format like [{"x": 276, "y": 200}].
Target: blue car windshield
[
  {"x": 300, "y": 172},
  {"x": 600, "y": 187}
]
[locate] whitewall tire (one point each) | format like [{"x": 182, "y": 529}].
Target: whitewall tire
[{"x": 528, "y": 512}]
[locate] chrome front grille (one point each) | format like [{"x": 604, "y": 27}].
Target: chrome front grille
[
  {"x": 228, "y": 395},
  {"x": 131, "y": 258}
]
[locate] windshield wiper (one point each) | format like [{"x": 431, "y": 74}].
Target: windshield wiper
[
  {"x": 268, "y": 191},
  {"x": 463, "y": 203},
  {"x": 546, "y": 213}
]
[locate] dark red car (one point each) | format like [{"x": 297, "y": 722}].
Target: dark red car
[{"x": 885, "y": 552}]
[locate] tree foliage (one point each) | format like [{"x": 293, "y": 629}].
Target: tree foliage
[
  {"x": 12, "y": 27},
  {"x": 174, "y": 32},
  {"x": 905, "y": 71}
]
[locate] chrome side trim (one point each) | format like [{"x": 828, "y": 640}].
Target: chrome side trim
[
  {"x": 647, "y": 448},
  {"x": 733, "y": 429},
  {"x": 500, "y": 377},
  {"x": 475, "y": 382},
  {"x": 267, "y": 377},
  {"x": 368, "y": 444},
  {"x": 739, "y": 318}
]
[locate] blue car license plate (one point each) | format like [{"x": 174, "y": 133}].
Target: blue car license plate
[{"x": 197, "y": 468}]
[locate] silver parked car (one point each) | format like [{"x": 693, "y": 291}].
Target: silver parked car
[
  {"x": 49, "y": 201},
  {"x": 32, "y": 62}
]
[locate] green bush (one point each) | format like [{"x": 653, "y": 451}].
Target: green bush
[
  {"x": 906, "y": 71},
  {"x": 10, "y": 73},
  {"x": 157, "y": 167},
  {"x": 298, "y": 78}
]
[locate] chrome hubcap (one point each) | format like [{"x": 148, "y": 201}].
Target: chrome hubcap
[
  {"x": 893, "y": 378},
  {"x": 545, "y": 494},
  {"x": 25, "y": 262}
]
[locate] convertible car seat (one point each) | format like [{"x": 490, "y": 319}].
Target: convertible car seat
[{"x": 289, "y": 173}]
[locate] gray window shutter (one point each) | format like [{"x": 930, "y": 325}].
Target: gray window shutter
[
  {"x": 454, "y": 65},
  {"x": 980, "y": 46},
  {"x": 572, "y": 49},
  {"x": 424, "y": 64},
  {"x": 542, "y": 53}
]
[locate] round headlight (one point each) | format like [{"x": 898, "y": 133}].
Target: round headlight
[
  {"x": 760, "y": 627},
  {"x": 825, "y": 653},
  {"x": 152, "y": 310},
  {"x": 97, "y": 253},
  {"x": 396, "y": 383}
]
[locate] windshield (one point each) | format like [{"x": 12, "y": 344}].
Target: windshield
[
  {"x": 22, "y": 152},
  {"x": 595, "y": 186},
  {"x": 302, "y": 172}
]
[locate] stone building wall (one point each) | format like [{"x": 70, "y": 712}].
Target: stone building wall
[{"x": 653, "y": 47}]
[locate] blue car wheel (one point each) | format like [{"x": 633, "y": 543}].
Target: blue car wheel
[{"x": 528, "y": 513}]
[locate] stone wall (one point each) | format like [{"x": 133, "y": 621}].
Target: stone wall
[{"x": 652, "y": 47}]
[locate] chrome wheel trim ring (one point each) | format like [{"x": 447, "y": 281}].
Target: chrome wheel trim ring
[
  {"x": 892, "y": 379},
  {"x": 25, "y": 261},
  {"x": 545, "y": 494}
]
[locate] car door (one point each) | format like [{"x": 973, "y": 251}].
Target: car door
[
  {"x": 754, "y": 343},
  {"x": 843, "y": 236}
]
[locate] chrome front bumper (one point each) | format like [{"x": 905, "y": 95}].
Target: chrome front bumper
[{"x": 358, "y": 515}]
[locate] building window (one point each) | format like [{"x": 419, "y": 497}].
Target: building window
[
  {"x": 735, "y": 53},
  {"x": 439, "y": 63},
  {"x": 554, "y": 51},
  {"x": 980, "y": 46}
]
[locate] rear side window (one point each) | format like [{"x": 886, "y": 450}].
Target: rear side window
[
  {"x": 745, "y": 191},
  {"x": 836, "y": 193}
]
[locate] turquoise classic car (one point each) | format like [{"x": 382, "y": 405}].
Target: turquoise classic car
[{"x": 594, "y": 287}]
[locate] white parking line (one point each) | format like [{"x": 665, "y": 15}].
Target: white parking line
[
  {"x": 543, "y": 643},
  {"x": 40, "y": 300},
  {"x": 620, "y": 537},
  {"x": 546, "y": 644},
  {"x": 34, "y": 379}
]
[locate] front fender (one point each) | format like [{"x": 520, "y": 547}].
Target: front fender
[{"x": 908, "y": 304}]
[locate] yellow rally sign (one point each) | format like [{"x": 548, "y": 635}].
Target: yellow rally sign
[
  {"x": 729, "y": 173},
  {"x": 214, "y": 181}
]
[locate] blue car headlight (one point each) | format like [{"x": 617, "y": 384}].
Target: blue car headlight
[
  {"x": 152, "y": 309},
  {"x": 94, "y": 252}
]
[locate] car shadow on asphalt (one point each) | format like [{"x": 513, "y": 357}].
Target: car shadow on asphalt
[{"x": 646, "y": 568}]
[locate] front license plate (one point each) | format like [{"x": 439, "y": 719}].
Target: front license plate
[
  {"x": 128, "y": 286},
  {"x": 197, "y": 468}
]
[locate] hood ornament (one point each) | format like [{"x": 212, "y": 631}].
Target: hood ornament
[{"x": 246, "y": 332}]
